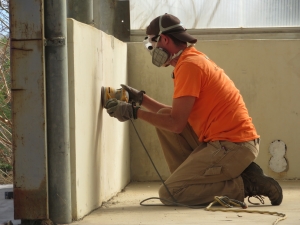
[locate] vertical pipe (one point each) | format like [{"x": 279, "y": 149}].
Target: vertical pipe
[
  {"x": 60, "y": 210},
  {"x": 81, "y": 11}
]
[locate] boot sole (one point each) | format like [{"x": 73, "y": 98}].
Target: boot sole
[
  {"x": 259, "y": 171},
  {"x": 274, "y": 183},
  {"x": 279, "y": 190}
]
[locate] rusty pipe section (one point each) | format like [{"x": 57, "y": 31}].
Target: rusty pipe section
[
  {"x": 28, "y": 109},
  {"x": 58, "y": 138}
]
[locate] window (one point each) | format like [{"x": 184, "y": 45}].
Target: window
[{"x": 205, "y": 14}]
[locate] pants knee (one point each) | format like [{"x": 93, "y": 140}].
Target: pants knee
[{"x": 164, "y": 196}]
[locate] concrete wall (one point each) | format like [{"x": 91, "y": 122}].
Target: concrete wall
[
  {"x": 267, "y": 72},
  {"x": 100, "y": 154}
]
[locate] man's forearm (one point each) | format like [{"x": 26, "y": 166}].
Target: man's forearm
[
  {"x": 152, "y": 105},
  {"x": 159, "y": 120},
  {"x": 173, "y": 118}
]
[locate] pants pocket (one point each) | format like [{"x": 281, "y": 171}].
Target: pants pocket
[{"x": 217, "y": 152}]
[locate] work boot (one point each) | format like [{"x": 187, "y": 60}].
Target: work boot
[{"x": 256, "y": 183}]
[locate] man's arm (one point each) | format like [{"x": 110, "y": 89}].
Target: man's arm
[
  {"x": 172, "y": 119},
  {"x": 152, "y": 105}
]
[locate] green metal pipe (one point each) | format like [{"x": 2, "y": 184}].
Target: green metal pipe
[{"x": 58, "y": 138}]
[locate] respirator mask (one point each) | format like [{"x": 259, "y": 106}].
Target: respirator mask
[{"x": 160, "y": 56}]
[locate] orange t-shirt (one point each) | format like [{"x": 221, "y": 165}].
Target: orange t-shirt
[{"x": 219, "y": 112}]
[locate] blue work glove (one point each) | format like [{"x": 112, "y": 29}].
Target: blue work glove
[
  {"x": 123, "y": 111},
  {"x": 134, "y": 95}
]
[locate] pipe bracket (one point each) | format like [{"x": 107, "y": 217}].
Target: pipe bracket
[{"x": 55, "y": 41}]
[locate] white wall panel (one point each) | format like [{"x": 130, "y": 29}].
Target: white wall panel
[{"x": 100, "y": 161}]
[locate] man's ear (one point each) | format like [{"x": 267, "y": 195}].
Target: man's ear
[{"x": 165, "y": 39}]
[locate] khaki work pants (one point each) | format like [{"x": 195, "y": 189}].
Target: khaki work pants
[{"x": 200, "y": 171}]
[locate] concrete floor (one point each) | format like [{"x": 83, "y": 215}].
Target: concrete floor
[{"x": 125, "y": 209}]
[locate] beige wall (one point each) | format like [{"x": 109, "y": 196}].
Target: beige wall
[
  {"x": 100, "y": 154},
  {"x": 267, "y": 72},
  {"x": 158, "y": 84}
]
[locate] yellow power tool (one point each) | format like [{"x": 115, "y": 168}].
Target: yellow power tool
[{"x": 109, "y": 92}]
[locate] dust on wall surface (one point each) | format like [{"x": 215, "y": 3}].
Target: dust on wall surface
[
  {"x": 267, "y": 74},
  {"x": 100, "y": 160}
]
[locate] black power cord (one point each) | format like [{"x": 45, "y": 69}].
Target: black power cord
[{"x": 173, "y": 202}]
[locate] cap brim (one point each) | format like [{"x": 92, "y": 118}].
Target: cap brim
[{"x": 184, "y": 36}]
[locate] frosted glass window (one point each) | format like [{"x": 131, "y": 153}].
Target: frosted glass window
[{"x": 197, "y": 14}]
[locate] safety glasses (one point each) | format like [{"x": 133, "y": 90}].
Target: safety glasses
[{"x": 150, "y": 41}]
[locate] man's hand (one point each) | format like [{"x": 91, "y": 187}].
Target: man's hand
[
  {"x": 123, "y": 111},
  {"x": 134, "y": 95}
]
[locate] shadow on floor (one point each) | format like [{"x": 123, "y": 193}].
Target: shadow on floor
[{"x": 125, "y": 209}]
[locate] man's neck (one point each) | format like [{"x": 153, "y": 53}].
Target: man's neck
[{"x": 174, "y": 61}]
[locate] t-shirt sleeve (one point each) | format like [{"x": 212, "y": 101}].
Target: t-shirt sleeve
[{"x": 187, "y": 81}]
